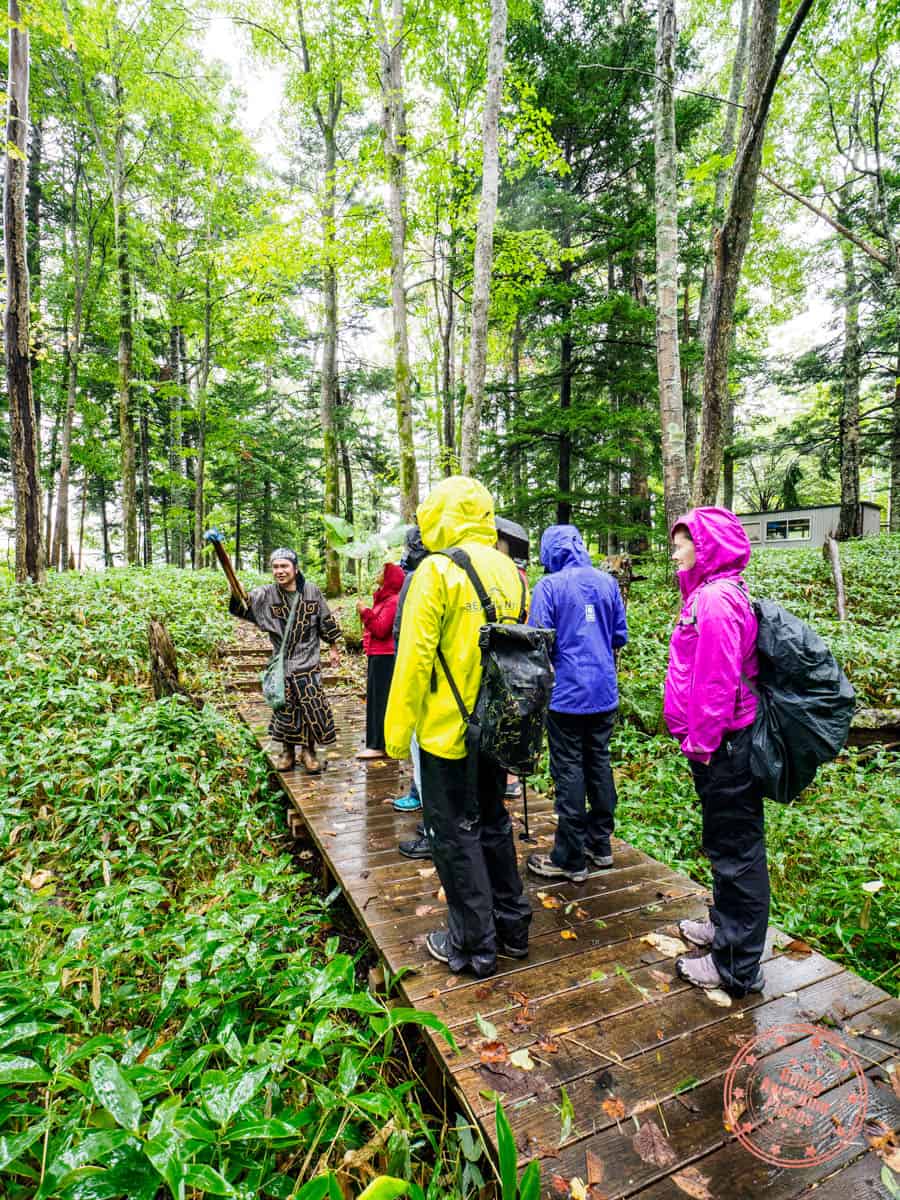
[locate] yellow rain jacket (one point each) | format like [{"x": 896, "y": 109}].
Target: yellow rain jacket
[{"x": 442, "y": 609}]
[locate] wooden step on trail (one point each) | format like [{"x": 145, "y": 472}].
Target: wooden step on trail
[{"x": 620, "y": 1069}]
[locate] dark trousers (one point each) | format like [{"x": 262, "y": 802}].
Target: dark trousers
[
  {"x": 734, "y": 839},
  {"x": 585, "y": 791},
  {"x": 378, "y": 686},
  {"x": 473, "y": 849}
]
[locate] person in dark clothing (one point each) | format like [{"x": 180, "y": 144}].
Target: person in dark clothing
[
  {"x": 379, "y": 647},
  {"x": 306, "y": 720},
  {"x": 414, "y": 552},
  {"x": 710, "y": 705},
  {"x": 584, "y": 607}
]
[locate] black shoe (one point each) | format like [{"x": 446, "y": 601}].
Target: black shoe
[
  {"x": 513, "y": 791},
  {"x": 599, "y": 858},
  {"x": 420, "y": 829},
  {"x": 419, "y": 847},
  {"x": 512, "y": 951},
  {"x": 438, "y": 945}
]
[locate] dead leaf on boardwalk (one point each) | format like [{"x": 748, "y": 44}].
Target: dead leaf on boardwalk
[
  {"x": 442, "y": 896},
  {"x": 569, "y": 935},
  {"x": 650, "y": 1145},
  {"x": 577, "y": 1190},
  {"x": 581, "y": 914},
  {"x": 560, "y": 1185},
  {"x": 493, "y": 1052},
  {"x": 613, "y": 1107},
  {"x": 669, "y": 946},
  {"x": 426, "y": 872},
  {"x": 796, "y": 946},
  {"x": 422, "y": 910},
  {"x": 733, "y": 1114},
  {"x": 521, "y": 1059},
  {"x": 663, "y": 981},
  {"x": 722, "y": 999},
  {"x": 886, "y": 1146},
  {"x": 594, "y": 1168},
  {"x": 329, "y": 833},
  {"x": 693, "y": 1184},
  {"x": 551, "y": 902},
  {"x": 520, "y": 998},
  {"x": 547, "y": 1045}
]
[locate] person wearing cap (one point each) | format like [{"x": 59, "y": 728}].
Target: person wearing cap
[{"x": 306, "y": 720}]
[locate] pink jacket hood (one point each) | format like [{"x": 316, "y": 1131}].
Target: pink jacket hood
[
  {"x": 721, "y": 545},
  {"x": 712, "y": 652}
]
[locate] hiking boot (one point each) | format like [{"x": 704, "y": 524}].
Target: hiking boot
[
  {"x": 420, "y": 829},
  {"x": 311, "y": 764},
  {"x": 285, "y": 760},
  {"x": 513, "y": 790},
  {"x": 419, "y": 847},
  {"x": 507, "y": 951},
  {"x": 600, "y": 859},
  {"x": 703, "y": 973},
  {"x": 408, "y": 803},
  {"x": 438, "y": 945},
  {"x": 543, "y": 865},
  {"x": 370, "y": 753},
  {"x": 698, "y": 933}
]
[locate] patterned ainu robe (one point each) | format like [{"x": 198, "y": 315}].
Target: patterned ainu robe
[{"x": 306, "y": 719}]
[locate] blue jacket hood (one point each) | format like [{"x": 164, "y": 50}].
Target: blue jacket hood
[{"x": 561, "y": 546}]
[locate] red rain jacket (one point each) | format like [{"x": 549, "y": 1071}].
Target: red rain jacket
[{"x": 378, "y": 621}]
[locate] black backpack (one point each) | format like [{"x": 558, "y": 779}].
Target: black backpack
[
  {"x": 806, "y": 703},
  {"x": 507, "y": 722}
]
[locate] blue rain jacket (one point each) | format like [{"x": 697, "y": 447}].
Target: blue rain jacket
[{"x": 585, "y": 608}]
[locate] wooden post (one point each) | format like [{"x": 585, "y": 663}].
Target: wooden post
[{"x": 831, "y": 553}]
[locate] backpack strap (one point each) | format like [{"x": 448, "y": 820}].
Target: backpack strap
[{"x": 462, "y": 560}]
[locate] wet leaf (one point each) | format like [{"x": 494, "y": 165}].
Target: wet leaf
[
  {"x": 422, "y": 910},
  {"x": 886, "y": 1146},
  {"x": 569, "y": 935},
  {"x": 577, "y": 1190},
  {"x": 598, "y": 976},
  {"x": 614, "y": 1108},
  {"x": 493, "y": 1052},
  {"x": 426, "y": 872},
  {"x": 566, "y": 1116},
  {"x": 651, "y": 1146},
  {"x": 115, "y": 1093},
  {"x": 718, "y": 997},
  {"x": 693, "y": 1184},
  {"x": 521, "y": 1059},
  {"x": 547, "y": 1045},
  {"x": 560, "y": 1185},
  {"x": 442, "y": 896},
  {"x": 551, "y": 902},
  {"x": 485, "y": 1028},
  {"x": 670, "y": 946}
]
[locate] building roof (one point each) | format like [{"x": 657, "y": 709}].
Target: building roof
[{"x": 774, "y": 512}]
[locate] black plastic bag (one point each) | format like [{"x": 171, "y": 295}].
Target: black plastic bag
[{"x": 806, "y": 704}]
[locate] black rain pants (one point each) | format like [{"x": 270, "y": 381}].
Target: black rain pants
[
  {"x": 583, "y": 780},
  {"x": 473, "y": 848},
  {"x": 734, "y": 839}
]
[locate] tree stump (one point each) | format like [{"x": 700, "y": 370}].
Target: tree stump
[{"x": 164, "y": 664}]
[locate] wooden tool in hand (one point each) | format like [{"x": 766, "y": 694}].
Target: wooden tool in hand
[{"x": 216, "y": 539}]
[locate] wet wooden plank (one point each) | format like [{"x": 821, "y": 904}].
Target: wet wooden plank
[{"x": 602, "y": 1013}]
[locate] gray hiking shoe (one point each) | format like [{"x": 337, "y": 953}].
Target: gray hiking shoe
[
  {"x": 703, "y": 973},
  {"x": 599, "y": 859},
  {"x": 543, "y": 865},
  {"x": 698, "y": 933}
]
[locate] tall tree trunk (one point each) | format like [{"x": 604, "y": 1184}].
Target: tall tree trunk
[
  {"x": 147, "y": 556},
  {"x": 516, "y": 380},
  {"x": 731, "y": 241},
  {"x": 564, "y": 466},
  {"x": 104, "y": 526},
  {"x": 24, "y": 445},
  {"x": 484, "y": 242},
  {"x": 328, "y": 394},
  {"x": 668, "y": 358},
  {"x": 126, "y": 343},
  {"x": 84, "y": 497},
  {"x": 449, "y": 463},
  {"x": 728, "y": 456},
  {"x": 238, "y": 513},
  {"x": 393, "y": 132},
  {"x": 51, "y": 562},
  {"x": 188, "y": 447},
  {"x": 850, "y": 524},
  {"x": 176, "y": 460},
  {"x": 202, "y": 396},
  {"x": 33, "y": 198},
  {"x": 724, "y": 150}
]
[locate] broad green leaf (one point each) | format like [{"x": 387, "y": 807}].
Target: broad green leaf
[
  {"x": 115, "y": 1093},
  {"x": 14, "y": 1069},
  {"x": 384, "y": 1188},
  {"x": 486, "y": 1028},
  {"x": 530, "y": 1184},
  {"x": 316, "y": 1189},
  {"x": 224, "y": 1100},
  {"x": 14, "y": 1145},
  {"x": 208, "y": 1179},
  {"x": 508, "y": 1155}
]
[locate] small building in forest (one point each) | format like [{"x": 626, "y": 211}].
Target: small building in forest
[{"x": 798, "y": 527}]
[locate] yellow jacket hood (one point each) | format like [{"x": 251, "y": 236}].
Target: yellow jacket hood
[{"x": 458, "y": 509}]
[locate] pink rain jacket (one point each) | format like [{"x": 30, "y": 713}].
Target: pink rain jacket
[{"x": 714, "y": 640}]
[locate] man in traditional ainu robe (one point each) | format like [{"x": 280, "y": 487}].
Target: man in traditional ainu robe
[{"x": 306, "y": 720}]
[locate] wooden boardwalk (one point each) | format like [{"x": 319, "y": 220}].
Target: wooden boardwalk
[{"x": 625, "y": 1086}]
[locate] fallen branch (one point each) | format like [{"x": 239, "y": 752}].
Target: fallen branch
[{"x": 831, "y": 552}]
